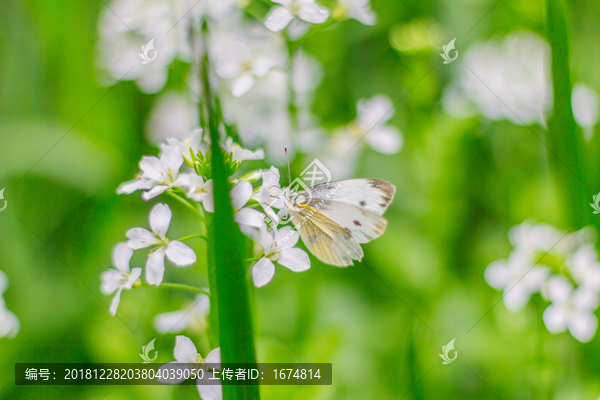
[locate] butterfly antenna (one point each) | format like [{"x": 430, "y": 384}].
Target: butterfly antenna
[{"x": 288, "y": 162}]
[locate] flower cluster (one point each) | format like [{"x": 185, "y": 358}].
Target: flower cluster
[
  {"x": 9, "y": 323},
  {"x": 194, "y": 187},
  {"x": 563, "y": 268}
]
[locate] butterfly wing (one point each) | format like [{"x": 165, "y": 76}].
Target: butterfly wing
[
  {"x": 373, "y": 195},
  {"x": 326, "y": 239},
  {"x": 364, "y": 225}
]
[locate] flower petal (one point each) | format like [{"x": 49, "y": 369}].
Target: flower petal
[
  {"x": 240, "y": 194},
  {"x": 251, "y": 217},
  {"x": 154, "y": 192},
  {"x": 242, "y": 85},
  {"x": 209, "y": 392},
  {"x": 155, "y": 267},
  {"x": 214, "y": 357},
  {"x": 121, "y": 255},
  {"x": 111, "y": 280},
  {"x": 185, "y": 351},
  {"x": 496, "y": 274},
  {"x": 582, "y": 326},
  {"x": 153, "y": 168},
  {"x": 295, "y": 259},
  {"x": 160, "y": 219},
  {"x": 554, "y": 319},
  {"x": 286, "y": 238},
  {"x": 172, "y": 159},
  {"x": 209, "y": 199},
  {"x": 559, "y": 289},
  {"x": 262, "y": 272},
  {"x": 278, "y": 18},
  {"x": 135, "y": 274},
  {"x": 140, "y": 238},
  {"x": 314, "y": 13},
  {"x": 180, "y": 254},
  {"x": 115, "y": 302},
  {"x": 131, "y": 186}
]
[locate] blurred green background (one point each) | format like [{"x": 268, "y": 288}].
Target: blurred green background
[{"x": 461, "y": 184}]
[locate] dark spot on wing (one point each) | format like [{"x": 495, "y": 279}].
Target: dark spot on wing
[
  {"x": 362, "y": 203},
  {"x": 312, "y": 238},
  {"x": 357, "y": 223}
]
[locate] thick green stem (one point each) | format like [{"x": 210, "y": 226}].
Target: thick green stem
[
  {"x": 564, "y": 139},
  {"x": 227, "y": 247}
]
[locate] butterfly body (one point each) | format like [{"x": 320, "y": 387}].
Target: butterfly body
[{"x": 334, "y": 218}]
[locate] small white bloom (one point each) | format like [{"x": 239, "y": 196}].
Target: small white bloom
[
  {"x": 517, "y": 277},
  {"x": 238, "y": 154},
  {"x": 371, "y": 117},
  {"x": 307, "y": 10},
  {"x": 571, "y": 309},
  {"x": 359, "y": 10},
  {"x": 584, "y": 101},
  {"x": 119, "y": 278},
  {"x": 243, "y": 67},
  {"x": 158, "y": 174},
  {"x": 178, "y": 253},
  {"x": 198, "y": 190},
  {"x": 9, "y": 323},
  {"x": 192, "y": 145},
  {"x": 585, "y": 267},
  {"x": 187, "y": 357},
  {"x": 279, "y": 246},
  {"x": 193, "y": 316}
]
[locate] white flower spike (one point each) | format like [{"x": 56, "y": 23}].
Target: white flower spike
[
  {"x": 119, "y": 278},
  {"x": 307, "y": 10},
  {"x": 279, "y": 247},
  {"x": 178, "y": 253},
  {"x": 187, "y": 357}
]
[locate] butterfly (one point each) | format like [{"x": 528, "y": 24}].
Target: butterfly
[{"x": 334, "y": 218}]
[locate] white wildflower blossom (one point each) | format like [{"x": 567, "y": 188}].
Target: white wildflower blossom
[
  {"x": 308, "y": 10},
  {"x": 120, "y": 278},
  {"x": 187, "y": 357},
  {"x": 178, "y": 253},
  {"x": 359, "y": 10},
  {"x": 9, "y": 323},
  {"x": 279, "y": 247}
]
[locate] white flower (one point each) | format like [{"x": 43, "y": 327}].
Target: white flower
[
  {"x": 9, "y": 323},
  {"x": 178, "y": 253},
  {"x": 119, "y": 278},
  {"x": 279, "y": 247},
  {"x": 359, "y": 10},
  {"x": 514, "y": 70},
  {"x": 541, "y": 238},
  {"x": 307, "y": 10},
  {"x": 369, "y": 127},
  {"x": 517, "y": 277},
  {"x": 193, "y": 316},
  {"x": 585, "y": 267},
  {"x": 571, "y": 309},
  {"x": 238, "y": 154},
  {"x": 245, "y": 216},
  {"x": 188, "y": 358},
  {"x": 244, "y": 66},
  {"x": 584, "y": 101},
  {"x": 192, "y": 145},
  {"x": 158, "y": 174},
  {"x": 270, "y": 189},
  {"x": 198, "y": 190}
]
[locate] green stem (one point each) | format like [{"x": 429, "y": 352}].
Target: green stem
[
  {"x": 184, "y": 202},
  {"x": 169, "y": 285},
  {"x": 235, "y": 321},
  {"x": 193, "y": 236}
]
